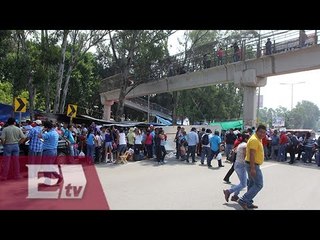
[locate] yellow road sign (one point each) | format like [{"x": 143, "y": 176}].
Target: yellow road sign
[
  {"x": 72, "y": 110},
  {"x": 20, "y": 104}
]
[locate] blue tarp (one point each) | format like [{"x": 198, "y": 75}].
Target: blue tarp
[
  {"x": 163, "y": 121},
  {"x": 6, "y": 112}
]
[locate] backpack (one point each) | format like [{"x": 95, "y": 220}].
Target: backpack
[{"x": 205, "y": 139}]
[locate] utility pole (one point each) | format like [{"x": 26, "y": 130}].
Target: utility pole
[
  {"x": 148, "y": 119},
  {"x": 292, "y": 84}
]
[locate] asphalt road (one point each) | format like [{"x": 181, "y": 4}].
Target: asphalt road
[{"x": 180, "y": 186}]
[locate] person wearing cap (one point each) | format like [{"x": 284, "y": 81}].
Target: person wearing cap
[
  {"x": 35, "y": 144},
  {"x": 11, "y": 136}
]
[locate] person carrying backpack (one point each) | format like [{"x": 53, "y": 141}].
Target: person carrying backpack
[
  {"x": 206, "y": 151},
  {"x": 292, "y": 146}
]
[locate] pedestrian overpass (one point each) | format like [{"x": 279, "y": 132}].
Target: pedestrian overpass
[{"x": 247, "y": 74}]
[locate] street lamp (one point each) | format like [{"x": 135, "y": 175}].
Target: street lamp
[{"x": 292, "y": 84}]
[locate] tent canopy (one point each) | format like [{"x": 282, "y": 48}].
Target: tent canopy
[{"x": 229, "y": 124}]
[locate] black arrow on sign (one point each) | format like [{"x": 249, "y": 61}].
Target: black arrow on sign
[
  {"x": 73, "y": 110},
  {"x": 22, "y": 105}
]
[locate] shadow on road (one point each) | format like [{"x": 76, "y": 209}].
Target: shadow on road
[{"x": 234, "y": 205}]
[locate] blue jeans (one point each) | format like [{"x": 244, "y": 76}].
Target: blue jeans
[
  {"x": 90, "y": 151},
  {"x": 206, "y": 152},
  {"x": 282, "y": 154},
  {"x": 241, "y": 171},
  {"x": 71, "y": 149},
  {"x": 34, "y": 157},
  {"x": 255, "y": 184},
  {"x": 228, "y": 149},
  {"x": 11, "y": 154},
  {"x": 49, "y": 157}
]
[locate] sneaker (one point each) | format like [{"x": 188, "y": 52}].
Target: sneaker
[
  {"x": 243, "y": 205},
  {"x": 234, "y": 198},
  {"x": 226, "y": 195},
  {"x": 252, "y": 206}
]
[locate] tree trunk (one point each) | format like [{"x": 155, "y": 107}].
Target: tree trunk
[
  {"x": 120, "y": 106},
  {"x": 61, "y": 70},
  {"x": 32, "y": 91},
  {"x": 48, "y": 91},
  {"x": 122, "y": 95},
  {"x": 31, "y": 88},
  {"x": 65, "y": 89},
  {"x": 174, "y": 107}
]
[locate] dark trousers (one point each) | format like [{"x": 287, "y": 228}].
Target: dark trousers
[
  {"x": 178, "y": 150},
  {"x": 192, "y": 151},
  {"x": 98, "y": 154},
  {"x": 149, "y": 148},
  {"x": 158, "y": 152},
  {"x": 229, "y": 173},
  {"x": 163, "y": 153},
  {"x": 291, "y": 151}
]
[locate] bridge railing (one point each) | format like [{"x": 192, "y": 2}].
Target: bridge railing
[
  {"x": 206, "y": 56},
  {"x": 153, "y": 106}
]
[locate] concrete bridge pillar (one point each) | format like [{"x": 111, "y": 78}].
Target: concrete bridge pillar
[
  {"x": 249, "y": 81},
  {"x": 107, "y": 109},
  {"x": 250, "y": 105}
]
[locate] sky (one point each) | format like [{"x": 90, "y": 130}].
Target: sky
[{"x": 277, "y": 92}]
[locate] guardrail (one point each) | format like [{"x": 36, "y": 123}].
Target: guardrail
[
  {"x": 207, "y": 56},
  {"x": 153, "y": 106}
]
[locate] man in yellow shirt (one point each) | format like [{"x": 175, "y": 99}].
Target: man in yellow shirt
[{"x": 254, "y": 158}]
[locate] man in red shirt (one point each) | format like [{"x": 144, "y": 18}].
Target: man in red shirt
[{"x": 282, "y": 154}]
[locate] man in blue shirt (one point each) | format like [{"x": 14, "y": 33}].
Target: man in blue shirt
[
  {"x": 215, "y": 148},
  {"x": 49, "y": 153},
  {"x": 69, "y": 137}
]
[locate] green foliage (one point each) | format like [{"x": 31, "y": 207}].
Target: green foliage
[
  {"x": 305, "y": 115},
  {"x": 221, "y": 102},
  {"x": 307, "y": 112},
  {"x": 5, "y": 92},
  {"x": 84, "y": 86}
]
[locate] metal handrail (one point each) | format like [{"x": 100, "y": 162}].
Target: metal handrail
[
  {"x": 153, "y": 106},
  {"x": 250, "y": 48}
]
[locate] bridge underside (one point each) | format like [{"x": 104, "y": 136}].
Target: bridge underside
[{"x": 248, "y": 75}]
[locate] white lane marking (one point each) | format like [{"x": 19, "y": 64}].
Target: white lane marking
[{"x": 271, "y": 165}]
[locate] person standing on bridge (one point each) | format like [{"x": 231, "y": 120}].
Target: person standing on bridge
[
  {"x": 220, "y": 54},
  {"x": 302, "y": 38},
  {"x": 254, "y": 158},
  {"x": 268, "y": 47},
  {"x": 236, "y": 52}
]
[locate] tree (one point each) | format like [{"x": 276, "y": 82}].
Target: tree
[
  {"x": 136, "y": 54},
  {"x": 304, "y": 115},
  {"x": 5, "y": 92},
  {"x": 219, "y": 102}
]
